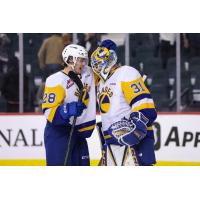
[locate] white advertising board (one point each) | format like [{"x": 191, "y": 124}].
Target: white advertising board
[
  {"x": 21, "y": 137},
  {"x": 177, "y": 137}
]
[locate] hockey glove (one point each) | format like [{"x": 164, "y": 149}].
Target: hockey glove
[
  {"x": 72, "y": 109},
  {"x": 130, "y": 131},
  {"x": 140, "y": 131}
]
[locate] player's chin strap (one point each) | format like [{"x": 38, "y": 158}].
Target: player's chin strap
[{"x": 73, "y": 66}]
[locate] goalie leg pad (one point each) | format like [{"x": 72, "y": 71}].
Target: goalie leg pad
[{"x": 116, "y": 155}]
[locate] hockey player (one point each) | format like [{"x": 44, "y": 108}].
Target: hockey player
[
  {"x": 60, "y": 105},
  {"x": 127, "y": 110}
]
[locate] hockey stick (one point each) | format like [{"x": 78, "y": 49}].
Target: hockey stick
[
  {"x": 78, "y": 82},
  {"x": 102, "y": 141}
]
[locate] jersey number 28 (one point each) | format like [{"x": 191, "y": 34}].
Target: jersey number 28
[{"x": 49, "y": 97}]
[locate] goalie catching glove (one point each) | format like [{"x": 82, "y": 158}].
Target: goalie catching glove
[{"x": 130, "y": 131}]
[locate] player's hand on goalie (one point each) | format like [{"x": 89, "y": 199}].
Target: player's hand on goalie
[
  {"x": 130, "y": 131},
  {"x": 72, "y": 109}
]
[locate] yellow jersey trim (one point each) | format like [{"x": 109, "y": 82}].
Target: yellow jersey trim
[
  {"x": 52, "y": 113},
  {"x": 133, "y": 89},
  {"x": 107, "y": 137},
  {"x": 150, "y": 128},
  {"x": 87, "y": 128},
  {"x": 53, "y": 96}
]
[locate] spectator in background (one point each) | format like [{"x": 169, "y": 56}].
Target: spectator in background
[
  {"x": 92, "y": 42},
  {"x": 191, "y": 43},
  {"x": 50, "y": 59},
  {"x": 49, "y": 55},
  {"x": 67, "y": 39},
  {"x": 81, "y": 39},
  {"x": 89, "y": 40},
  {"x": 185, "y": 46},
  {"x": 167, "y": 45},
  {"x": 4, "y": 42},
  {"x": 156, "y": 44},
  {"x": 10, "y": 86}
]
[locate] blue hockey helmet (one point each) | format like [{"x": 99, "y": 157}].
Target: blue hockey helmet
[{"x": 109, "y": 44}]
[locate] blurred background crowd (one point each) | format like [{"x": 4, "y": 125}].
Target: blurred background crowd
[{"x": 153, "y": 54}]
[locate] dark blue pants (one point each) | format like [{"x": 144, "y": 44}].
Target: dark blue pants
[
  {"x": 145, "y": 152},
  {"x": 56, "y": 140}
]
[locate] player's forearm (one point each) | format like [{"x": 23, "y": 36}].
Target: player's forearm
[{"x": 56, "y": 119}]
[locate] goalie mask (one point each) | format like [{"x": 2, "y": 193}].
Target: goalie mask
[
  {"x": 72, "y": 53},
  {"x": 102, "y": 60}
]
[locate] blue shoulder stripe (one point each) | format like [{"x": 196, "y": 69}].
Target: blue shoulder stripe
[{"x": 140, "y": 97}]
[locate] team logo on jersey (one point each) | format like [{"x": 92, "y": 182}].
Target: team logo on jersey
[
  {"x": 86, "y": 97},
  {"x": 104, "y": 102},
  {"x": 69, "y": 83},
  {"x": 104, "y": 99}
]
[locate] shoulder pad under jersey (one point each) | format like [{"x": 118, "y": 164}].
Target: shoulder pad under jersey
[{"x": 128, "y": 73}]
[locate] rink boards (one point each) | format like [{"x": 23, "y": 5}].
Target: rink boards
[{"x": 177, "y": 140}]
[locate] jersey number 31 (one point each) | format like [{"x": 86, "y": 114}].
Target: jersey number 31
[{"x": 137, "y": 87}]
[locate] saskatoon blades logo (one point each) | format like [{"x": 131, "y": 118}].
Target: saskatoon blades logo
[{"x": 104, "y": 102}]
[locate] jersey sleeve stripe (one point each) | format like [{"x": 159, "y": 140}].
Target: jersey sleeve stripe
[
  {"x": 143, "y": 106},
  {"x": 86, "y": 128},
  {"x": 86, "y": 124},
  {"x": 140, "y": 97}
]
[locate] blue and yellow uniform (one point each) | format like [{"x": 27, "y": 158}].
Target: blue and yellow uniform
[
  {"x": 123, "y": 93},
  {"x": 59, "y": 90}
]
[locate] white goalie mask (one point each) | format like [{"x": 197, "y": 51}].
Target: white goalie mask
[
  {"x": 72, "y": 52},
  {"x": 102, "y": 60}
]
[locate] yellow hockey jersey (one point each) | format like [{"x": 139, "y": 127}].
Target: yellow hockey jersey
[
  {"x": 124, "y": 92},
  {"x": 59, "y": 89}
]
